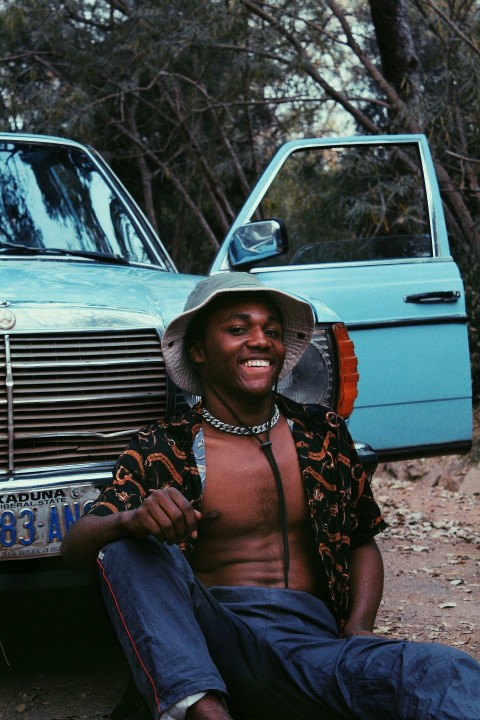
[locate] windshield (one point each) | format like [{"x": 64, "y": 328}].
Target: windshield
[{"x": 55, "y": 197}]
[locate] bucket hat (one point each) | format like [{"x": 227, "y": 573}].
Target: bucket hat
[{"x": 297, "y": 320}]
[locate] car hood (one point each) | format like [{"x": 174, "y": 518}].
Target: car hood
[{"x": 71, "y": 283}]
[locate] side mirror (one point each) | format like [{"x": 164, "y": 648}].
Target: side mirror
[{"x": 257, "y": 241}]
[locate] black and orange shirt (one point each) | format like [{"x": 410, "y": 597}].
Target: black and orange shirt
[{"x": 343, "y": 511}]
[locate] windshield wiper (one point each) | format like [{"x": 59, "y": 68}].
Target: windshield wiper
[{"x": 12, "y": 249}]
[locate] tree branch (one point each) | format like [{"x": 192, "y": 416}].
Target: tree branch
[
  {"x": 310, "y": 69},
  {"x": 176, "y": 182},
  {"x": 434, "y": 7}
]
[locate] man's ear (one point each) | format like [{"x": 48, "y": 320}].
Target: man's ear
[{"x": 196, "y": 352}]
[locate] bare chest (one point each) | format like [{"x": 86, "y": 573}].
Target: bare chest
[{"x": 240, "y": 493}]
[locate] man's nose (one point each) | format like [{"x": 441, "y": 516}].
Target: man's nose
[{"x": 258, "y": 338}]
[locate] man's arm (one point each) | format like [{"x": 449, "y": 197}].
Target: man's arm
[
  {"x": 166, "y": 514},
  {"x": 366, "y": 589}
]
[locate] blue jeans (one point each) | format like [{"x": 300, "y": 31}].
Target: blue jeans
[{"x": 274, "y": 653}]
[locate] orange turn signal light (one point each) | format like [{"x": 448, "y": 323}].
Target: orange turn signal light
[{"x": 347, "y": 371}]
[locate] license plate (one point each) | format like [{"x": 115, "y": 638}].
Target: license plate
[{"x": 34, "y": 522}]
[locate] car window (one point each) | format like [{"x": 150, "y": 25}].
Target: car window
[
  {"x": 55, "y": 197},
  {"x": 350, "y": 204}
]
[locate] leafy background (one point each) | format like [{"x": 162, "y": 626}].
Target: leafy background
[{"x": 189, "y": 99}]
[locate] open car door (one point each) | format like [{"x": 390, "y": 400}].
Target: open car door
[{"x": 367, "y": 237}]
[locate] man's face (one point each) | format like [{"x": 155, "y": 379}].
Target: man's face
[{"x": 240, "y": 352}]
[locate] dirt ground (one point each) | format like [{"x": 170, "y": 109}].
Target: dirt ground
[
  {"x": 431, "y": 549},
  {"x": 60, "y": 661}
]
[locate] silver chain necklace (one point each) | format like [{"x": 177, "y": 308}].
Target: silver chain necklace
[{"x": 241, "y": 429}]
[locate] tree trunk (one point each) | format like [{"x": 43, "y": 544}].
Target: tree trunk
[{"x": 400, "y": 62}]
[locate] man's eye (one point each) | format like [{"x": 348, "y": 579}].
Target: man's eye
[
  {"x": 237, "y": 330},
  {"x": 271, "y": 332}
]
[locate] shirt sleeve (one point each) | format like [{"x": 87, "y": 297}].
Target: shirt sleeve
[
  {"x": 129, "y": 486},
  {"x": 366, "y": 517}
]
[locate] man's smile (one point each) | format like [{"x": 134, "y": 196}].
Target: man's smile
[{"x": 256, "y": 363}]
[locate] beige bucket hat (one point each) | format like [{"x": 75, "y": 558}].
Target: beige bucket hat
[{"x": 297, "y": 318}]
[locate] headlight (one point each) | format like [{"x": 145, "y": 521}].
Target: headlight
[
  {"x": 312, "y": 380},
  {"x": 327, "y": 373}
]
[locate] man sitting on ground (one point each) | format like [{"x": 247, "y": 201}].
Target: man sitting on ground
[{"x": 236, "y": 544}]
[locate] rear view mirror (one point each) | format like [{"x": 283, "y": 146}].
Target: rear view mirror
[{"x": 257, "y": 241}]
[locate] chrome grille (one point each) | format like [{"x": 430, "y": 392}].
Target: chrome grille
[{"x": 77, "y": 397}]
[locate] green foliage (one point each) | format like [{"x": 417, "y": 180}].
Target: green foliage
[
  {"x": 188, "y": 99},
  {"x": 165, "y": 90}
]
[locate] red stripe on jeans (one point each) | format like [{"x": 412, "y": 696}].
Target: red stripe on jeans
[{"x": 157, "y": 701}]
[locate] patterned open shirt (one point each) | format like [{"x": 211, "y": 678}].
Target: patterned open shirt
[{"x": 343, "y": 511}]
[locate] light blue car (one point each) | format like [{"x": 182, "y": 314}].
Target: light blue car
[{"x": 86, "y": 289}]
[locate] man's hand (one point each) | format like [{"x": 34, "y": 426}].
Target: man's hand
[{"x": 166, "y": 515}]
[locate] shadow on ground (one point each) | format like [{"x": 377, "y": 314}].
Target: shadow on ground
[{"x": 60, "y": 659}]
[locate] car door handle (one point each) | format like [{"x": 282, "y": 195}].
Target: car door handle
[{"x": 438, "y": 296}]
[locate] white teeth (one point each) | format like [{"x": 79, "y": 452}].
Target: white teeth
[{"x": 257, "y": 363}]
